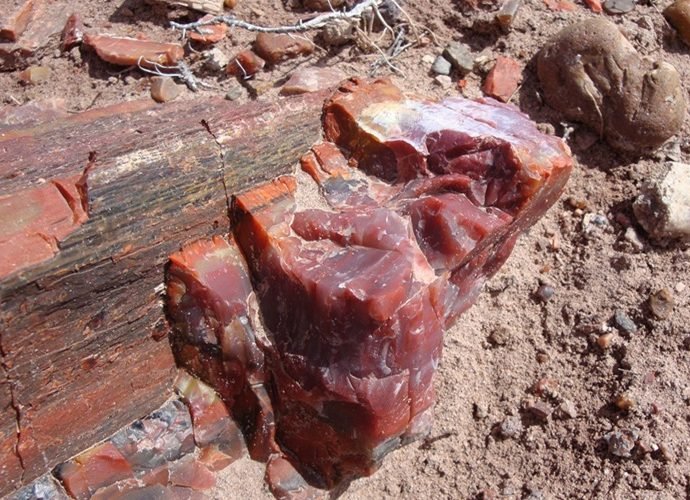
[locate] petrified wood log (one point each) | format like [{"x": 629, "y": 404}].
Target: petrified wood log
[
  {"x": 322, "y": 328},
  {"x": 91, "y": 205}
]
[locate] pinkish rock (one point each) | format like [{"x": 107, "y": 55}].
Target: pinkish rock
[
  {"x": 245, "y": 64},
  {"x": 72, "y": 33},
  {"x": 212, "y": 33},
  {"x": 274, "y": 48},
  {"x": 126, "y": 51},
  {"x": 312, "y": 80},
  {"x": 15, "y": 21},
  {"x": 190, "y": 473},
  {"x": 47, "y": 20},
  {"x": 164, "y": 89},
  {"x": 34, "y": 75},
  {"x": 503, "y": 79}
]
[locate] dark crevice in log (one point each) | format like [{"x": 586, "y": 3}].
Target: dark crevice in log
[
  {"x": 222, "y": 169},
  {"x": 15, "y": 406}
]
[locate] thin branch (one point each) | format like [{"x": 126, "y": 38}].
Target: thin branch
[{"x": 314, "y": 23}]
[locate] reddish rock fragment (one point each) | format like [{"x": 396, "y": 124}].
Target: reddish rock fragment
[
  {"x": 595, "y": 6},
  {"x": 98, "y": 467},
  {"x": 560, "y": 5},
  {"x": 245, "y": 64},
  {"x": 312, "y": 80},
  {"x": 285, "y": 481},
  {"x": 211, "y": 33},
  {"x": 215, "y": 459},
  {"x": 274, "y": 48},
  {"x": 503, "y": 79},
  {"x": 33, "y": 222},
  {"x": 427, "y": 200},
  {"x": 47, "y": 20},
  {"x": 72, "y": 33},
  {"x": 13, "y": 24},
  {"x": 125, "y": 51},
  {"x": 164, "y": 89},
  {"x": 190, "y": 473}
]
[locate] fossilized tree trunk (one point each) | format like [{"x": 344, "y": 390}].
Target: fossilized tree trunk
[{"x": 90, "y": 208}]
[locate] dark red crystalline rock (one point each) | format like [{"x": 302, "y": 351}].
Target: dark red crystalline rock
[{"x": 425, "y": 202}]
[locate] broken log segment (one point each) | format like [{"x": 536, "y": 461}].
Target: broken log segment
[{"x": 82, "y": 331}]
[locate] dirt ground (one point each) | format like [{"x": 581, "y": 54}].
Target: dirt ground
[{"x": 512, "y": 338}]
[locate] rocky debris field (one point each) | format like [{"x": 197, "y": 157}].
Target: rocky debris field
[{"x": 570, "y": 377}]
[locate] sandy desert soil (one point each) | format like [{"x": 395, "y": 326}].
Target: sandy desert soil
[{"x": 514, "y": 337}]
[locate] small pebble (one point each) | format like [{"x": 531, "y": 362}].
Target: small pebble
[
  {"x": 428, "y": 59},
  {"x": 480, "y": 410},
  {"x": 216, "y": 59},
  {"x": 621, "y": 443},
  {"x": 624, "y": 402},
  {"x": 567, "y": 410},
  {"x": 604, "y": 341},
  {"x": 546, "y": 386},
  {"x": 338, "y": 33},
  {"x": 545, "y": 292},
  {"x": 540, "y": 410},
  {"x": 235, "y": 93},
  {"x": 444, "y": 81},
  {"x": 542, "y": 357},
  {"x": 164, "y": 89},
  {"x": 500, "y": 336},
  {"x": 511, "y": 427},
  {"x": 624, "y": 323},
  {"x": 230, "y": 4},
  {"x": 661, "y": 303},
  {"x": 460, "y": 58},
  {"x": 34, "y": 75},
  {"x": 619, "y": 6},
  {"x": 441, "y": 66}
]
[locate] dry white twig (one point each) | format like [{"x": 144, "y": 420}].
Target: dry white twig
[
  {"x": 180, "y": 70},
  {"x": 314, "y": 23}
]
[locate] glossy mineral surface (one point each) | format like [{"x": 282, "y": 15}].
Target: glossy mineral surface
[{"x": 322, "y": 327}]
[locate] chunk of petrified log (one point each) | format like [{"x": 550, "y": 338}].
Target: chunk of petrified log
[
  {"x": 126, "y": 51},
  {"x": 81, "y": 320},
  {"x": 13, "y": 23},
  {"x": 425, "y": 202}
]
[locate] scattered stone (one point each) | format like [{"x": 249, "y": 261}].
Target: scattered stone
[
  {"x": 212, "y": 33},
  {"x": 507, "y": 13},
  {"x": 34, "y": 75},
  {"x": 100, "y": 466},
  {"x": 444, "y": 81},
  {"x": 47, "y": 20},
  {"x": 633, "y": 238},
  {"x": 235, "y": 93},
  {"x": 545, "y": 292},
  {"x": 621, "y": 443},
  {"x": 72, "y": 33},
  {"x": 618, "y": 6},
  {"x": 624, "y": 402},
  {"x": 500, "y": 336},
  {"x": 163, "y": 436},
  {"x": 245, "y": 64},
  {"x": 661, "y": 303},
  {"x": 592, "y": 222},
  {"x": 663, "y": 206},
  {"x": 274, "y": 48},
  {"x": 624, "y": 322},
  {"x": 461, "y": 59},
  {"x": 13, "y": 24},
  {"x": 75, "y": 56},
  {"x": 216, "y": 59},
  {"x": 560, "y": 5},
  {"x": 230, "y": 4},
  {"x": 43, "y": 488},
  {"x": 511, "y": 427},
  {"x": 312, "y": 79},
  {"x": 164, "y": 89},
  {"x": 215, "y": 459},
  {"x": 678, "y": 15},
  {"x": 666, "y": 453},
  {"x": 191, "y": 473},
  {"x": 567, "y": 410},
  {"x": 595, "y": 6},
  {"x": 126, "y": 51},
  {"x": 546, "y": 386},
  {"x": 635, "y": 109},
  {"x": 337, "y": 33},
  {"x": 542, "y": 357},
  {"x": 605, "y": 340},
  {"x": 441, "y": 66},
  {"x": 428, "y": 59},
  {"x": 503, "y": 79},
  {"x": 540, "y": 410}
]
